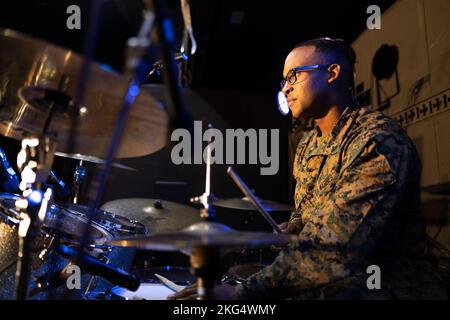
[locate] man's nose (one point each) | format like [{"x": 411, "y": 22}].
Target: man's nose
[{"x": 287, "y": 88}]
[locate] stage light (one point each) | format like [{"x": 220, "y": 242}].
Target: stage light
[{"x": 282, "y": 103}]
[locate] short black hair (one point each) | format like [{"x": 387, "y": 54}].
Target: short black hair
[{"x": 336, "y": 51}]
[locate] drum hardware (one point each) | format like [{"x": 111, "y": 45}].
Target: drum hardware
[
  {"x": 34, "y": 162},
  {"x": 46, "y": 281},
  {"x": 47, "y": 276},
  {"x": 80, "y": 171},
  {"x": 100, "y": 247},
  {"x": 43, "y": 255},
  {"x": 62, "y": 190},
  {"x": 90, "y": 287},
  {"x": 158, "y": 65},
  {"x": 197, "y": 237},
  {"x": 188, "y": 34},
  {"x": 165, "y": 39},
  {"x": 137, "y": 48},
  {"x": 78, "y": 178},
  {"x": 205, "y": 239},
  {"x": 12, "y": 181},
  {"x": 205, "y": 260},
  {"x": 207, "y": 213},
  {"x": 95, "y": 267}
]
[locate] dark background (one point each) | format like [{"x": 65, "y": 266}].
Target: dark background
[{"x": 236, "y": 71}]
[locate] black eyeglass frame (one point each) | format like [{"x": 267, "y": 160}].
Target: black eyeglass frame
[{"x": 292, "y": 74}]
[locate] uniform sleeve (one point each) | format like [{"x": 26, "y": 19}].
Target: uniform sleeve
[{"x": 344, "y": 226}]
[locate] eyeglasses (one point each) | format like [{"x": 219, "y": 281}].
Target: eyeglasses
[{"x": 291, "y": 77}]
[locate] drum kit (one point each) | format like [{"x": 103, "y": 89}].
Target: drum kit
[{"x": 41, "y": 238}]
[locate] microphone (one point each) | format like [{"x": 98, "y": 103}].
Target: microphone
[
  {"x": 9, "y": 181},
  {"x": 95, "y": 267},
  {"x": 158, "y": 65}
]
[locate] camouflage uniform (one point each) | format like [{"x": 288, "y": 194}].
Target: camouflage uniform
[{"x": 356, "y": 200}]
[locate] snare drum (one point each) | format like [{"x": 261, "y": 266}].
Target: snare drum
[{"x": 63, "y": 224}]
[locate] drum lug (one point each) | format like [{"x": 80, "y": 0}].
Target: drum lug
[{"x": 45, "y": 252}]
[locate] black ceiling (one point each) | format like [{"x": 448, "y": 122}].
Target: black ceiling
[{"x": 242, "y": 44}]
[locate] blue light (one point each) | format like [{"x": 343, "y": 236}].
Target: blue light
[
  {"x": 132, "y": 92},
  {"x": 35, "y": 197},
  {"x": 106, "y": 68},
  {"x": 283, "y": 105},
  {"x": 169, "y": 33}
]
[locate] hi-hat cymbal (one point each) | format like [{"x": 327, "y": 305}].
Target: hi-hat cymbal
[
  {"x": 156, "y": 215},
  {"x": 245, "y": 204},
  {"x": 203, "y": 234},
  {"x": 45, "y": 75},
  {"x": 91, "y": 159}
]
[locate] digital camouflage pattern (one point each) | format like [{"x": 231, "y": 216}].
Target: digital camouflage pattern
[{"x": 356, "y": 200}]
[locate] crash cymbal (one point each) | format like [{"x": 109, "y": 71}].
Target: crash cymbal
[
  {"x": 36, "y": 75},
  {"x": 245, "y": 204},
  {"x": 200, "y": 235},
  {"x": 156, "y": 215},
  {"x": 91, "y": 159}
]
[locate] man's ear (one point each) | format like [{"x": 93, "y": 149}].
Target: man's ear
[{"x": 334, "y": 71}]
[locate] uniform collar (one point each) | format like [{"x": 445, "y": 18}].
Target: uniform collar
[{"x": 334, "y": 139}]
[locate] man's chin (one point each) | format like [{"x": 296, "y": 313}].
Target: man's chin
[{"x": 297, "y": 114}]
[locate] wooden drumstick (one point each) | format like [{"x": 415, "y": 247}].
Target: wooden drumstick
[
  {"x": 169, "y": 284},
  {"x": 253, "y": 199}
]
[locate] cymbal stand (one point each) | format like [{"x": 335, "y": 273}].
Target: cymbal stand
[
  {"x": 205, "y": 261},
  {"x": 207, "y": 213},
  {"x": 78, "y": 179},
  {"x": 34, "y": 162}
]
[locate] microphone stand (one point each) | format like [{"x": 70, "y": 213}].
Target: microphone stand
[
  {"x": 164, "y": 37},
  {"x": 136, "y": 49}
]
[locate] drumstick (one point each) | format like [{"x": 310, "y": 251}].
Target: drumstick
[
  {"x": 169, "y": 284},
  {"x": 253, "y": 199}
]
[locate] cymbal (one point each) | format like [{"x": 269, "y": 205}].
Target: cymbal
[
  {"x": 36, "y": 75},
  {"x": 108, "y": 220},
  {"x": 96, "y": 160},
  {"x": 156, "y": 215},
  {"x": 203, "y": 234},
  {"x": 245, "y": 204}
]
